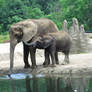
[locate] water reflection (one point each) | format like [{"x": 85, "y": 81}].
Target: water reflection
[
  {"x": 58, "y": 85},
  {"x": 46, "y": 84},
  {"x": 28, "y": 88}
]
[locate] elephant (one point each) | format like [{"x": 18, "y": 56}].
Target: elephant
[
  {"x": 24, "y": 31},
  {"x": 53, "y": 43}
]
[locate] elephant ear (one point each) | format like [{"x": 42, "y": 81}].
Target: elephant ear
[{"x": 29, "y": 30}]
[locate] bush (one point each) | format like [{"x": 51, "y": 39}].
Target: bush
[
  {"x": 34, "y": 13},
  {"x": 4, "y": 38}
]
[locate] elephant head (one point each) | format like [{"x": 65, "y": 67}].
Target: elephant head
[
  {"x": 41, "y": 42},
  {"x": 22, "y": 31}
]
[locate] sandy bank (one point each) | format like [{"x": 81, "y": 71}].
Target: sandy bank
[{"x": 79, "y": 63}]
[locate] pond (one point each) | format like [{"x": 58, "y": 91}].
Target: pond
[{"x": 40, "y": 83}]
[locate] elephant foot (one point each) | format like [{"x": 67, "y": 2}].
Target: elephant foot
[
  {"x": 53, "y": 65},
  {"x": 10, "y": 72},
  {"x": 33, "y": 67},
  {"x": 27, "y": 66},
  {"x": 57, "y": 63},
  {"x": 45, "y": 63},
  {"x": 9, "y": 75},
  {"x": 65, "y": 63}
]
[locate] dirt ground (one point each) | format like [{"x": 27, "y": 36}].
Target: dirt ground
[{"x": 79, "y": 63}]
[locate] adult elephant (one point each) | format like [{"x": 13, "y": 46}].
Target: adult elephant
[{"x": 24, "y": 31}]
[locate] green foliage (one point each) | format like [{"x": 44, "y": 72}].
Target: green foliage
[
  {"x": 34, "y": 12},
  {"x": 81, "y": 9},
  {"x": 4, "y": 38},
  {"x": 56, "y": 18},
  {"x": 13, "y": 11}
]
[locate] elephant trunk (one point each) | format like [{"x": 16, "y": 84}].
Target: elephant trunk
[
  {"x": 12, "y": 48},
  {"x": 32, "y": 44}
]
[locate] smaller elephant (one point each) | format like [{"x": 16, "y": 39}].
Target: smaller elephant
[{"x": 53, "y": 43}]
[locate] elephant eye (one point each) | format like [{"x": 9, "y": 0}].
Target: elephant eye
[{"x": 16, "y": 35}]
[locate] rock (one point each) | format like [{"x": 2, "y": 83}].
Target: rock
[
  {"x": 79, "y": 39},
  {"x": 65, "y": 27}
]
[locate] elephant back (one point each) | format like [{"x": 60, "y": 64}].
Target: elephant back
[{"x": 45, "y": 25}]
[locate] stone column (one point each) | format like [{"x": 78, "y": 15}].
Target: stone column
[
  {"x": 75, "y": 25},
  {"x": 83, "y": 39},
  {"x": 75, "y": 34},
  {"x": 79, "y": 38},
  {"x": 64, "y": 27},
  {"x": 74, "y": 38}
]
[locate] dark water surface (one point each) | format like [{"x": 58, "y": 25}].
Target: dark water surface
[{"x": 39, "y": 83}]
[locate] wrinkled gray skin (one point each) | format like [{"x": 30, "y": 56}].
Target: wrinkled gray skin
[
  {"x": 24, "y": 31},
  {"x": 53, "y": 43}
]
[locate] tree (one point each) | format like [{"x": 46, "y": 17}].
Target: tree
[{"x": 81, "y": 9}]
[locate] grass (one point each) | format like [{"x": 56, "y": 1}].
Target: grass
[{"x": 4, "y": 38}]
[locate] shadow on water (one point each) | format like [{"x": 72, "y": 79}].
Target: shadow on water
[{"x": 40, "y": 83}]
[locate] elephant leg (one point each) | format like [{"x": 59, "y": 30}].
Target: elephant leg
[
  {"x": 26, "y": 54},
  {"x": 53, "y": 58},
  {"x": 66, "y": 59},
  {"x": 33, "y": 57},
  {"x": 56, "y": 58},
  {"x": 47, "y": 58},
  {"x": 13, "y": 43}
]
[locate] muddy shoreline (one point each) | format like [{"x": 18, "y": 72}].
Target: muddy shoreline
[
  {"x": 80, "y": 64},
  {"x": 49, "y": 71}
]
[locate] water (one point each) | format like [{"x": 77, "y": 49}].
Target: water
[{"x": 40, "y": 83}]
